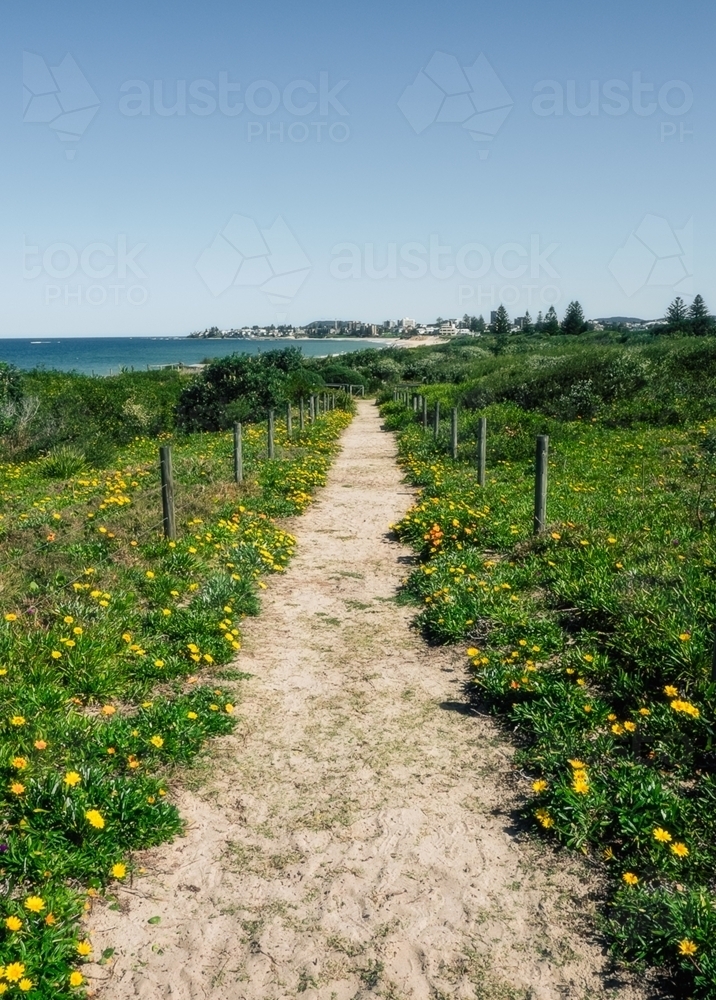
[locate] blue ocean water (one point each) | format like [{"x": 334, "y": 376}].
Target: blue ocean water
[{"x": 107, "y": 355}]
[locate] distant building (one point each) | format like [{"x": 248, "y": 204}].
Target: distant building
[{"x": 406, "y": 324}]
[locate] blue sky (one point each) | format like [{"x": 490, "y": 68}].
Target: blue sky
[{"x": 330, "y": 204}]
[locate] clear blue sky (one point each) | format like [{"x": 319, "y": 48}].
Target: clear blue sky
[{"x": 615, "y": 188}]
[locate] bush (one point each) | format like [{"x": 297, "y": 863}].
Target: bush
[{"x": 239, "y": 387}]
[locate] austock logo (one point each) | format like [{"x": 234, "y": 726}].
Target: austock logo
[
  {"x": 449, "y": 94},
  {"x": 655, "y": 255},
  {"x": 242, "y": 255},
  {"x": 59, "y": 97}
]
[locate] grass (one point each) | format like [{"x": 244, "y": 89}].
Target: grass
[
  {"x": 113, "y": 642},
  {"x": 593, "y": 643}
]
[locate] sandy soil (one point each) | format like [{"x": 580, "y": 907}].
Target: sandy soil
[{"x": 357, "y": 836}]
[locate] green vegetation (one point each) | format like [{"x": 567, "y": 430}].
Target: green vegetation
[
  {"x": 112, "y": 638},
  {"x": 592, "y": 641}
]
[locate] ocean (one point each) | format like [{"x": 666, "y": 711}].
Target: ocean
[{"x": 107, "y": 355}]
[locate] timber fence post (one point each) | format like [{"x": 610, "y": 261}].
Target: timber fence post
[
  {"x": 165, "y": 468},
  {"x": 269, "y": 431},
  {"x": 238, "y": 455},
  {"x": 481, "y": 450},
  {"x": 541, "y": 458}
]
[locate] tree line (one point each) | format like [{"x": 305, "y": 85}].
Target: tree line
[{"x": 682, "y": 319}]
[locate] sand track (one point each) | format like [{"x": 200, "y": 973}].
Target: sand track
[{"x": 356, "y": 836}]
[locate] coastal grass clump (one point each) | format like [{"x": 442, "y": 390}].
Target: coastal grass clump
[
  {"x": 593, "y": 643},
  {"x": 112, "y": 643}
]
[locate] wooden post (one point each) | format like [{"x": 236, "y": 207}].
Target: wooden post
[
  {"x": 312, "y": 409},
  {"x": 269, "y": 431},
  {"x": 453, "y": 434},
  {"x": 425, "y": 413},
  {"x": 541, "y": 456},
  {"x": 165, "y": 468},
  {"x": 436, "y": 419},
  {"x": 289, "y": 422},
  {"x": 238, "y": 455},
  {"x": 301, "y": 416},
  {"x": 481, "y": 450}
]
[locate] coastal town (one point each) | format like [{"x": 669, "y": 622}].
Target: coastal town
[{"x": 409, "y": 329}]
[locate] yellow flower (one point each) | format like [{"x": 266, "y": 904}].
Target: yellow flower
[
  {"x": 25, "y": 985},
  {"x": 34, "y": 904},
  {"x": 539, "y": 785},
  {"x": 214, "y": 708},
  {"x": 72, "y": 778},
  {"x": 192, "y": 715},
  {"x": 670, "y": 691},
  {"x": 663, "y": 836},
  {"x": 95, "y": 819},
  {"x": 588, "y": 657},
  {"x": 16, "y": 788},
  {"x": 544, "y": 818},
  {"x": 13, "y": 923},
  {"x": 108, "y": 710},
  {"x": 84, "y": 948},
  {"x": 10, "y": 617},
  {"x": 680, "y": 849},
  {"x": 685, "y": 636},
  {"x": 159, "y": 663},
  {"x": 228, "y": 707},
  {"x": 119, "y": 870},
  {"x": 630, "y": 878},
  {"x": 78, "y": 630},
  {"x": 149, "y": 575},
  {"x": 472, "y": 651},
  {"x": 17, "y": 720},
  {"x": 76, "y": 979},
  {"x": 686, "y": 947},
  {"x": 68, "y": 619},
  {"x": 617, "y": 729},
  {"x": 157, "y": 741},
  {"x": 578, "y": 764},
  {"x": 686, "y": 708},
  {"x": 56, "y": 654},
  {"x": 166, "y": 611},
  {"x": 14, "y": 971},
  {"x": 630, "y": 727},
  {"x": 580, "y": 784},
  {"x": 19, "y": 763},
  {"x": 644, "y": 711},
  {"x": 50, "y": 919}
]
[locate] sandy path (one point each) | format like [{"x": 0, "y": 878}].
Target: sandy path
[{"x": 354, "y": 838}]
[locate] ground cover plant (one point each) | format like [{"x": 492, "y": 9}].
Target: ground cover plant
[
  {"x": 113, "y": 646},
  {"x": 592, "y": 642}
]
